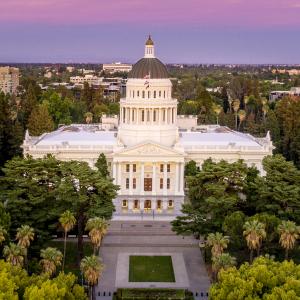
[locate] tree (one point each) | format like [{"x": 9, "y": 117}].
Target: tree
[
  {"x": 242, "y": 117},
  {"x": 92, "y": 269},
  {"x": 190, "y": 168},
  {"x": 236, "y": 107},
  {"x": 218, "y": 242},
  {"x": 3, "y": 233},
  {"x": 40, "y": 121},
  {"x": 25, "y": 234},
  {"x": 254, "y": 233},
  {"x": 51, "y": 259},
  {"x": 279, "y": 190},
  {"x": 263, "y": 279},
  {"x": 222, "y": 262},
  {"x": 97, "y": 228},
  {"x": 289, "y": 233},
  {"x": 29, "y": 102},
  {"x": 88, "y": 193},
  {"x": 4, "y": 217},
  {"x": 88, "y": 117},
  {"x": 101, "y": 165},
  {"x": 214, "y": 192},
  {"x": 67, "y": 221},
  {"x": 14, "y": 254},
  {"x": 233, "y": 227}
]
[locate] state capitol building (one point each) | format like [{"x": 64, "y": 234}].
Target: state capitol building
[{"x": 148, "y": 145}]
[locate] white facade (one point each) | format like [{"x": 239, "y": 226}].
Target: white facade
[
  {"x": 116, "y": 67},
  {"x": 148, "y": 149}
]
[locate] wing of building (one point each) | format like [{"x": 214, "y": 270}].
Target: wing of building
[{"x": 148, "y": 145}]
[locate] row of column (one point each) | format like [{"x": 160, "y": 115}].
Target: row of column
[
  {"x": 155, "y": 116},
  {"x": 153, "y": 204},
  {"x": 178, "y": 179}
]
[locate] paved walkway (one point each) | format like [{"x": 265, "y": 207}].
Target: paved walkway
[{"x": 150, "y": 237}]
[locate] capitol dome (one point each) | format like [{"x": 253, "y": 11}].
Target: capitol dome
[{"x": 149, "y": 66}]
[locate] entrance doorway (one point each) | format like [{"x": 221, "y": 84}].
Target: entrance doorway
[
  {"x": 147, "y": 185},
  {"x": 147, "y": 205}
]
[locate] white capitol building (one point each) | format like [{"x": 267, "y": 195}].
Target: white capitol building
[{"x": 148, "y": 146}]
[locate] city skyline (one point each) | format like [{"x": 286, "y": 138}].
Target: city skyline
[{"x": 227, "y": 31}]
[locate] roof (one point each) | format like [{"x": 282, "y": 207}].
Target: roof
[
  {"x": 76, "y": 135},
  {"x": 218, "y": 138},
  {"x": 149, "y": 67},
  {"x": 149, "y": 42}
]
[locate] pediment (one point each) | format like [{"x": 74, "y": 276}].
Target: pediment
[{"x": 149, "y": 149}]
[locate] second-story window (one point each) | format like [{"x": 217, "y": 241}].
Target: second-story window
[
  {"x": 143, "y": 115},
  {"x": 161, "y": 183},
  {"x": 134, "y": 183},
  {"x": 168, "y": 168},
  {"x": 127, "y": 183},
  {"x": 143, "y": 94},
  {"x": 161, "y": 168},
  {"x": 127, "y": 168},
  {"x": 134, "y": 167},
  {"x": 168, "y": 183},
  {"x": 154, "y": 94}
]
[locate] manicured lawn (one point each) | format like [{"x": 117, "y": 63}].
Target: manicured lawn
[
  {"x": 71, "y": 253},
  {"x": 151, "y": 269}
]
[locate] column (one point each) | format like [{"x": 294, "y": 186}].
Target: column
[
  {"x": 177, "y": 175},
  {"x": 130, "y": 205},
  {"x": 119, "y": 172},
  {"x": 165, "y": 179},
  {"x": 142, "y": 178},
  {"x": 181, "y": 176},
  {"x": 130, "y": 179},
  {"x": 165, "y": 205},
  {"x": 114, "y": 173},
  {"x": 154, "y": 179}
]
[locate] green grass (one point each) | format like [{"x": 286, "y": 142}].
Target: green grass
[
  {"x": 71, "y": 253},
  {"x": 151, "y": 269}
]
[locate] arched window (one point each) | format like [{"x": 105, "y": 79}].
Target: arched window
[
  {"x": 138, "y": 93},
  {"x": 143, "y": 94},
  {"x": 148, "y": 94},
  {"x": 154, "y": 94}
]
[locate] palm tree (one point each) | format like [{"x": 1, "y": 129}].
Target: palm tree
[
  {"x": 97, "y": 228},
  {"x": 242, "y": 117},
  {"x": 218, "y": 242},
  {"x": 67, "y": 221},
  {"x": 88, "y": 117},
  {"x": 92, "y": 268},
  {"x": 25, "y": 234},
  {"x": 222, "y": 262},
  {"x": 14, "y": 254},
  {"x": 51, "y": 259},
  {"x": 289, "y": 233},
  {"x": 217, "y": 110},
  {"x": 254, "y": 232},
  {"x": 236, "y": 107},
  {"x": 3, "y": 233}
]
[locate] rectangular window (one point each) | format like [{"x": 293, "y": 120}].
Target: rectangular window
[
  {"x": 134, "y": 168},
  {"x": 124, "y": 203},
  {"x": 161, "y": 183},
  {"x": 154, "y": 116},
  {"x": 168, "y": 168},
  {"x": 147, "y": 184},
  {"x": 127, "y": 183},
  {"x": 159, "y": 93},
  {"x": 143, "y": 94},
  {"x": 161, "y": 168},
  {"x": 127, "y": 168},
  {"x": 168, "y": 183},
  {"x": 138, "y": 93},
  {"x": 134, "y": 183},
  {"x": 170, "y": 203},
  {"x": 143, "y": 115},
  {"x": 154, "y": 94}
]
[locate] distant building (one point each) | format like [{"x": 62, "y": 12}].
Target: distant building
[
  {"x": 70, "y": 69},
  {"x": 276, "y": 95},
  {"x": 291, "y": 72},
  {"x": 90, "y": 79},
  {"x": 9, "y": 80},
  {"x": 116, "y": 67}
]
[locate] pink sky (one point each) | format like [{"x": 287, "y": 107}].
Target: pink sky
[{"x": 237, "y": 13}]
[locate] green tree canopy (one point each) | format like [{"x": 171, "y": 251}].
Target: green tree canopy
[{"x": 264, "y": 279}]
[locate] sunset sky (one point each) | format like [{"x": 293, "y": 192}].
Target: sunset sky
[{"x": 192, "y": 31}]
